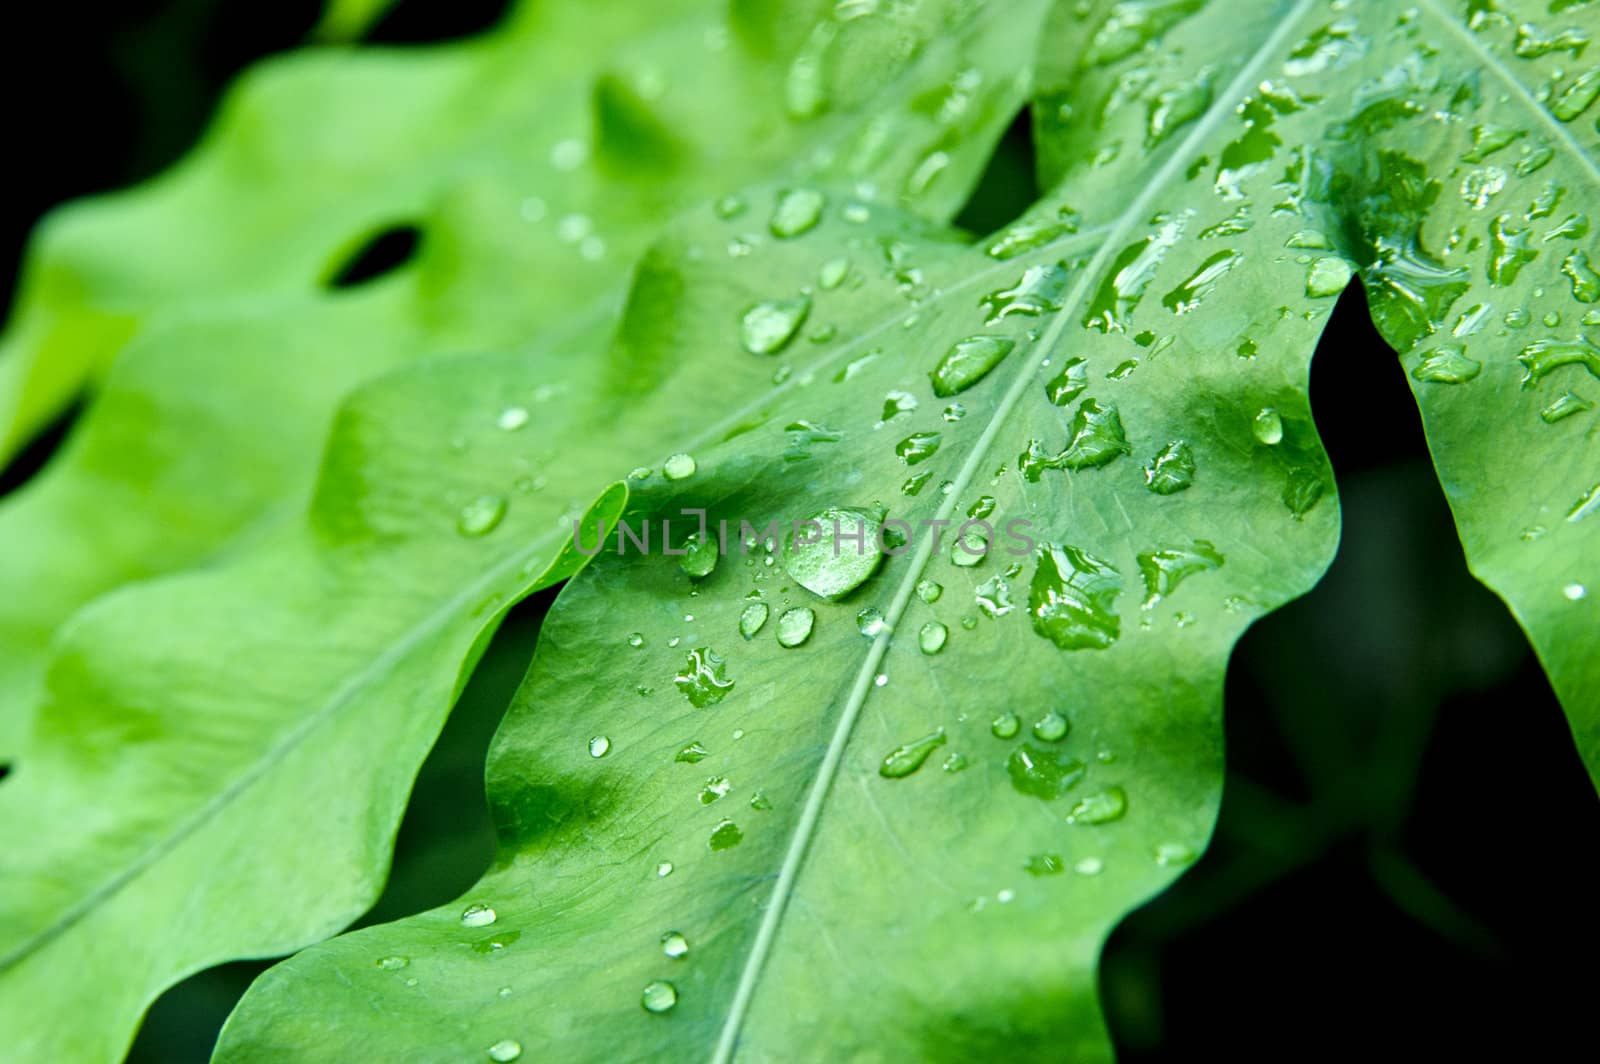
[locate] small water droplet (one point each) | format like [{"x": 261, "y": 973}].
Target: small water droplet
[
  {"x": 832, "y": 274},
  {"x": 794, "y": 626},
  {"x": 1173, "y": 853},
  {"x": 967, "y": 362},
  {"x": 1089, "y": 866},
  {"x": 481, "y": 516},
  {"x": 929, "y": 591},
  {"x": 918, "y": 447},
  {"x": 902, "y": 761},
  {"x": 512, "y": 418},
  {"x": 692, "y": 754},
  {"x": 1574, "y": 592},
  {"x": 1172, "y": 470},
  {"x": 1043, "y": 772},
  {"x": 1006, "y": 726},
  {"x": 1327, "y": 277},
  {"x": 797, "y": 211},
  {"x": 477, "y": 915},
  {"x": 870, "y": 621},
  {"x": 659, "y": 996},
  {"x": 752, "y": 619},
  {"x": 636, "y": 639},
  {"x": 1044, "y": 864},
  {"x": 766, "y": 328},
  {"x": 760, "y": 802},
  {"x": 599, "y": 746},
  {"x": 932, "y": 637},
  {"x": 674, "y": 945},
  {"x": 679, "y": 467},
  {"x": 1447, "y": 364},
  {"x": 704, "y": 680},
  {"x": 725, "y": 836},
  {"x": 392, "y": 964},
  {"x": 1102, "y": 808},
  {"x": 699, "y": 558},
  {"x": 1267, "y": 426},
  {"x": 1052, "y": 727},
  {"x": 505, "y": 1051},
  {"x": 716, "y": 787},
  {"x": 663, "y": 870},
  {"x": 955, "y": 763}
]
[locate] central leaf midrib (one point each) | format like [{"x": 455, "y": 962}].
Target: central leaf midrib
[{"x": 827, "y": 770}]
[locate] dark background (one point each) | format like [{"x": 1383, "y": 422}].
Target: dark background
[{"x": 1406, "y": 847}]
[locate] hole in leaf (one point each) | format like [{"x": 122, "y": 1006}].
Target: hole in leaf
[
  {"x": 1008, "y": 185},
  {"x": 32, "y": 458},
  {"x": 419, "y": 22},
  {"x": 1395, "y": 849},
  {"x": 381, "y": 254}
]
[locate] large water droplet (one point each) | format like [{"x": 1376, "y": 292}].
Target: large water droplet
[
  {"x": 1068, "y": 383},
  {"x": 477, "y": 915},
  {"x": 767, "y": 328},
  {"x": 1038, "y": 292},
  {"x": 1163, "y": 570},
  {"x": 679, "y": 467},
  {"x": 1448, "y": 364},
  {"x": 725, "y": 836},
  {"x": 798, "y": 210},
  {"x": 1102, "y": 808},
  {"x": 752, "y": 619},
  {"x": 1195, "y": 288},
  {"x": 658, "y": 996},
  {"x": 794, "y": 626},
  {"x": 704, "y": 681},
  {"x": 1327, "y": 277},
  {"x": 967, "y": 362},
  {"x": 902, "y": 761},
  {"x": 481, "y": 516},
  {"x": 1172, "y": 470},
  {"x": 1043, "y": 772},
  {"x": 1072, "y": 600},
  {"x": 834, "y": 551}
]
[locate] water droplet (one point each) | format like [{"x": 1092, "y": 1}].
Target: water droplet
[
  {"x": 967, "y": 362},
  {"x": 954, "y": 763},
  {"x": 1069, "y": 383},
  {"x": 798, "y": 211},
  {"x": 716, "y": 787},
  {"x": 794, "y": 626},
  {"x": 1587, "y": 504},
  {"x": 679, "y": 467},
  {"x": 1043, "y": 772},
  {"x": 1173, "y": 853},
  {"x": 1038, "y": 292},
  {"x": 880, "y": 680},
  {"x": 766, "y": 328},
  {"x": 636, "y": 639},
  {"x": 1193, "y": 291},
  {"x": 505, "y": 1051},
  {"x": 902, "y": 761},
  {"x": 729, "y": 207},
  {"x": 481, "y": 516},
  {"x": 477, "y": 915},
  {"x": 1544, "y": 356},
  {"x": 663, "y": 870},
  {"x": 1565, "y": 406},
  {"x": 918, "y": 447},
  {"x": 932, "y": 637},
  {"x": 512, "y": 418},
  {"x": 700, "y": 556},
  {"x": 1267, "y": 427},
  {"x": 1073, "y": 597},
  {"x": 870, "y": 621},
  {"x": 752, "y": 619},
  {"x": 692, "y": 754},
  {"x": 1508, "y": 251},
  {"x": 1163, "y": 570},
  {"x": 659, "y": 996},
  {"x": 393, "y": 964},
  {"x": 1102, "y": 808},
  {"x": 1172, "y": 470},
  {"x": 929, "y": 591},
  {"x": 1051, "y": 728},
  {"x": 674, "y": 945},
  {"x": 1006, "y": 726},
  {"x": 1044, "y": 864},
  {"x": 834, "y": 551},
  {"x": 1089, "y": 866},
  {"x": 1448, "y": 364},
  {"x": 993, "y": 597},
  {"x": 725, "y": 836},
  {"x": 1585, "y": 282},
  {"x": 704, "y": 681},
  {"x": 1574, "y": 592},
  {"x": 832, "y": 274},
  {"x": 1124, "y": 283},
  {"x": 599, "y": 746}
]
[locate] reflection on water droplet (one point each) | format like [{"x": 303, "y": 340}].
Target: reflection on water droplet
[
  {"x": 678, "y": 467},
  {"x": 798, "y": 210},
  {"x": 659, "y": 996},
  {"x": 1043, "y": 772},
  {"x": 1006, "y": 726},
  {"x": 725, "y": 836},
  {"x": 766, "y": 328},
  {"x": 674, "y": 945},
  {"x": 477, "y": 915},
  {"x": 1110, "y": 804},
  {"x": 932, "y": 637},
  {"x": 902, "y": 761},
  {"x": 967, "y": 362},
  {"x": 704, "y": 681},
  {"x": 1052, "y": 727},
  {"x": 794, "y": 626},
  {"x": 505, "y": 1051},
  {"x": 599, "y": 746},
  {"x": 481, "y": 516}
]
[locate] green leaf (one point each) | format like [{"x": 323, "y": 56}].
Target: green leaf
[
  {"x": 534, "y": 170},
  {"x": 221, "y": 712},
  {"x": 756, "y": 813}
]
